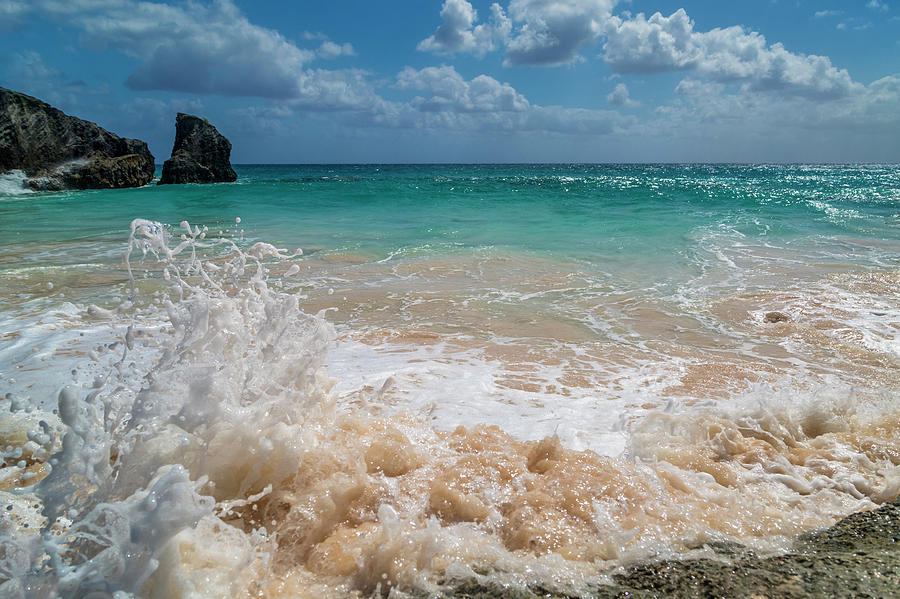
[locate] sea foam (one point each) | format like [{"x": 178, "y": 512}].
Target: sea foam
[
  {"x": 12, "y": 183},
  {"x": 211, "y": 453}
]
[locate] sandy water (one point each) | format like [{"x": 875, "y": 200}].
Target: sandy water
[{"x": 520, "y": 374}]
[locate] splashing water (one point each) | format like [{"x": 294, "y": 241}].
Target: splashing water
[
  {"x": 212, "y": 457},
  {"x": 12, "y": 183}
]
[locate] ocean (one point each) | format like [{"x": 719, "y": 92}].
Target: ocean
[{"x": 358, "y": 380}]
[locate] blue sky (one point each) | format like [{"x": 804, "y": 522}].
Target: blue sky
[{"x": 473, "y": 80}]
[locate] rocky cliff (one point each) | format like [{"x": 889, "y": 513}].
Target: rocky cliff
[
  {"x": 58, "y": 151},
  {"x": 200, "y": 155}
]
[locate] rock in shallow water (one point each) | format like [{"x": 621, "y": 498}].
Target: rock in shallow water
[
  {"x": 857, "y": 557},
  {"x": 200, "y": 155},
  {"x": 58, "y": 151}
]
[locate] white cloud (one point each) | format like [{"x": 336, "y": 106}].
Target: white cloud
[
  {"x": 450, "y": 102},
  {"x": 329, "y": 50},
  {"x": 199, "y": 49},
  {"x": 535, "y": 32},
  {"x": 448, "y": 91},
  {"x": 710, "y": 106},
  {"x": 314, "y": 35},
  {"x": 554, "y": 31},
  {"x": 447, "y": 104},
  {"x": 620, "y": 96},
  {"x": 212, "y": 48},
  {"x": 335, "y": 90},
  {"x": 458, "y": 32},
  {"x": 208, "y": 49},
  {"x": 878, "y": 5},
  {"x": 657, "y": 44}
]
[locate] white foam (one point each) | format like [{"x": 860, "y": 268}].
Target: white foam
[
  {"x": 456, "y": 388},
  {"x": 204, "y": 452},
  {"x": 12, "y": 183}
]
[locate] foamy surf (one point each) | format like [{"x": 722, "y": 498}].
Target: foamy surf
[
  {"x": 206, "y": 449},
  {"x": 12, "y": 183}
]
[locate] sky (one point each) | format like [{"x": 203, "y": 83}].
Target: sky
[{"x": 399, "y": 81}]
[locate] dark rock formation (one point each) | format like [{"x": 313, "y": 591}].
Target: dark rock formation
[
  {"x": 58, "y": 151},
  {"x": 200, "y": 155}
]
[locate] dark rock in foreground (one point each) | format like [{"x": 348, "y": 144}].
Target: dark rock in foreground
[
  {"x": 857, "y": 557},
  {"x": 200, "y": 155},
  {"x": 57, "y": 151}
]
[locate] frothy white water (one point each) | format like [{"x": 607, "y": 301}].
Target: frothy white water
[
  {"x": 205, "y": 449},
  {"x": 110, "y": 478},
  {"x": 12, "y": 183},
  {"x": 456, "y": 387}
]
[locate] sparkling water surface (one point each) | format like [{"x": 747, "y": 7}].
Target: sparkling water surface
[{"x": 579, "y": 211}]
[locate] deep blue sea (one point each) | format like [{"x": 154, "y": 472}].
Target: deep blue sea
[{"x": 333, "y": 380}]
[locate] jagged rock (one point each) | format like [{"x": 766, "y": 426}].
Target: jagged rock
[
  {"x": 58, "y": 151},
  {"x": 200, "y": 155}
]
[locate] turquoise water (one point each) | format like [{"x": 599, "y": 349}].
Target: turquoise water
[
  {"x": 639, "y": 226},
  {"x": 580, "y": 211},
  {"x": 538, "y": 373}
]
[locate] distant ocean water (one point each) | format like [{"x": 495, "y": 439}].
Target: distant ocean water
[{"x": 521, "y": 374}]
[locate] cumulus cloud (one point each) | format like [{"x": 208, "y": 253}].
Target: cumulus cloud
[
  {"x": 447, "y": 90},
  {"x": 620, "y": 96},
  {"x": 711, "y": 106},
  {"x": 734, "y": 55},
  {"x": 211, "y": 48},
  {"x": 713, "y": 121},
  {"x": 199, "y": 49},
  {"x": 206, "y": 49},
  {"x": 458, "y": 32},
  {"x": 335, "y": 90},
  {"x": 534, "y": 32},
  {"x": 653, "y": 45},
  {"x": 878, "y": 5},
  {"x": 449, "y": 101},
  {"x": 445, "y": 102},
  {"x": 223, "y": 53},
  {"x": 329, "y": 50},
  {"x": 552, "y": 32}
]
